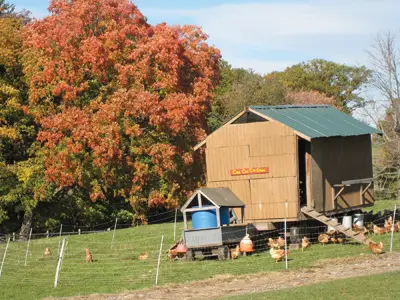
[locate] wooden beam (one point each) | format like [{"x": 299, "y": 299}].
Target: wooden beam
[
  {"x": 357, "y": 181},
  {"x": 201, "y": 208},
  {"x": 199, "y": 145},
  {"x": 185, "y": 220},
  {"x": 218, "y": 218},
  {"x": 243, "y": 215},
  {"x": 335, "y": 196},
  {"x": 366, "y": 189},
  {"x": 199, "y": 200}
]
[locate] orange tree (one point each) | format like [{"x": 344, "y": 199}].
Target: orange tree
[{"x": 120, "y": 102}]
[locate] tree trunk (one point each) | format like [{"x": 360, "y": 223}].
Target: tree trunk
[{"x": 26, "y": 225}]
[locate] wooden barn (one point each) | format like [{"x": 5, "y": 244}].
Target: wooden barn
[{"x": 314, "y": 157}]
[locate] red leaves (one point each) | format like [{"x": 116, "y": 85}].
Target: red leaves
[{"x": 120, "y": 102}]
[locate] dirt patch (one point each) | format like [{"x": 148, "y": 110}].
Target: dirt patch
[{"x": 229, "y": 285}]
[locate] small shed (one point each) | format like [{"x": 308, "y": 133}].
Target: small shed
[
  {"x": 308, "y": 156},
  {"x": 216, "y": 199}
]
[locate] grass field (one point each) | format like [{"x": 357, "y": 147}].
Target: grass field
[
  {"x": 118, "y": 269},
  {"x": 383, "y": 286},
  {"x": 381, "y": 205}
]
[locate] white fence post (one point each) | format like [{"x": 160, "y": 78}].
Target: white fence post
[
  {"x": 27, "y": 247},
  {"x": 4, "y": 256},
  {"x": 159, "y": 258},
  {"x": 60, "y": 257},
  {"x": 47, "y": 234},
  {"x": 79, "y": 231},
  {"x": 59, "y": 240},
  {"x": 391, "y": 235},
  {"x": 176, "y": 211},
  {"x": 113, "y": 236},
  {"x": 286, "y": 248},
  {"x": 13, "y": 236}
]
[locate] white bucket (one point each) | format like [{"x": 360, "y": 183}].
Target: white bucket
[
  {"x": 331, "y": 228},
  {"x": 359, "y": 220},
  {"x": 347, "y": 222}
]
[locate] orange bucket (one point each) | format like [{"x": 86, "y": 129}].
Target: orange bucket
[{"x": 246, "y": 245}]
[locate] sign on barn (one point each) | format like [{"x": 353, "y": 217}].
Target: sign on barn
[{"x": 249, "y": 171}]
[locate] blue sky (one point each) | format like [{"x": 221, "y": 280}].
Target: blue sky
[{"x": 271, "y": 35}]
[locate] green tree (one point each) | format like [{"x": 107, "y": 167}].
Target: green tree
[
  {"x": 332, "y": 79},
  {"x": 239, "y": 88},
  {"x": 21, "y": 169}
]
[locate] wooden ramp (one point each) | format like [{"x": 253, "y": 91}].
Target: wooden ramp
[{"x": 358, "y": 236}]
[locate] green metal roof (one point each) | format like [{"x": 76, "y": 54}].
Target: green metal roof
[{"x": 316, "y": 121}]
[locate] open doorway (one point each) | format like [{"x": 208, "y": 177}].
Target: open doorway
[{"x": 304, "y": 149}]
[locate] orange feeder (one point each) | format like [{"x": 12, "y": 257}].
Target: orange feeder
[
  {"x": 246, "y": 245},
  {"x": 181, "y": 248}
]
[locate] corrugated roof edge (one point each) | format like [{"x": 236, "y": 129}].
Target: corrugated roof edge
[{"x": 290, "y": 106}]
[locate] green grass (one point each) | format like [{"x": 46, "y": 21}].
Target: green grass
[
  {"x": 381, "y": 205},
  {"x": 116, "y": 270},
  {"x": 383, "y": 286}
]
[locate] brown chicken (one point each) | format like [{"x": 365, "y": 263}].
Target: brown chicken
[
  {"x": 379, "y": 230},
  {"x": 172, "y": 254},
  {"x": 305, "y": 243},
  {"x": 340, "y": 240},
  {"x": 362, "y": 230},
  {"x": 89, "y": 257},
  {"x": 47, "y": 252},
  {"x": 376, "y": 248},
  {"x": 273, "y": 243},
  {"x": 143, "y": 256},
  {"x": 235, "y": 253},
  {"x": 323, "y": 238},
  {"x": 277, "y": 254}
]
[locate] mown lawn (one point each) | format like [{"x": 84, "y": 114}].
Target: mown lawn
[
  {"x": 381, "y": 205},
  {"x": 383, "y": 286},
  {"x": 118, "y": 269}
]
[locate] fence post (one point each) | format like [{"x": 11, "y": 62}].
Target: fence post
[
  {"x": 176, "y": 211},
  {"x": 59, "y": 240},
  {"x": 79, "y": 231},
  {"x": 47, "y": 234},
  {"x": 391, "y": 235},
  {"x": 159, "y": 258},
  {"x": 27, "y": 248},
  {"x": 286, "y": 248},
  {"x": 60, "y": 257},
  {"x": 13, "y": 236},
  {"x": 113, "y": 236},
  {"x": 4, "y": 256}
]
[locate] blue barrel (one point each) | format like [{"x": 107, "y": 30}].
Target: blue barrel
[
  {"x": 208, "y": 218},
  {"x": 224, "y": 215}
]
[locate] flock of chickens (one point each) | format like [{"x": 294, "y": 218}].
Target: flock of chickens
[
  {"x": 277, "y": 246},
  {"x": 89, "y": 257}
]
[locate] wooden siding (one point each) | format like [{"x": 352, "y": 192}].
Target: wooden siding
[
  {"x": 339, "y": 159},
  {"x": 261, "y": 144}
]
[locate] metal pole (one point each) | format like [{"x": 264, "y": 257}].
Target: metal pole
[
  {"x": 391, "y": 235},
  {"x": 4, "y": 256},
  {"x": 286, "y": 249},
  {"x": 59, "y": 240},
  {"x": 113, "y": 236},
  {"x": 176, "y": 211},
  {"x": 27, "y": 248},
  {"x": 159, "y": 258},
  {"x": 60, "y": 257}
]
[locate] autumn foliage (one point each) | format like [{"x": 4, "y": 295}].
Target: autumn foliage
[{"x": 120, "y": 101}]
